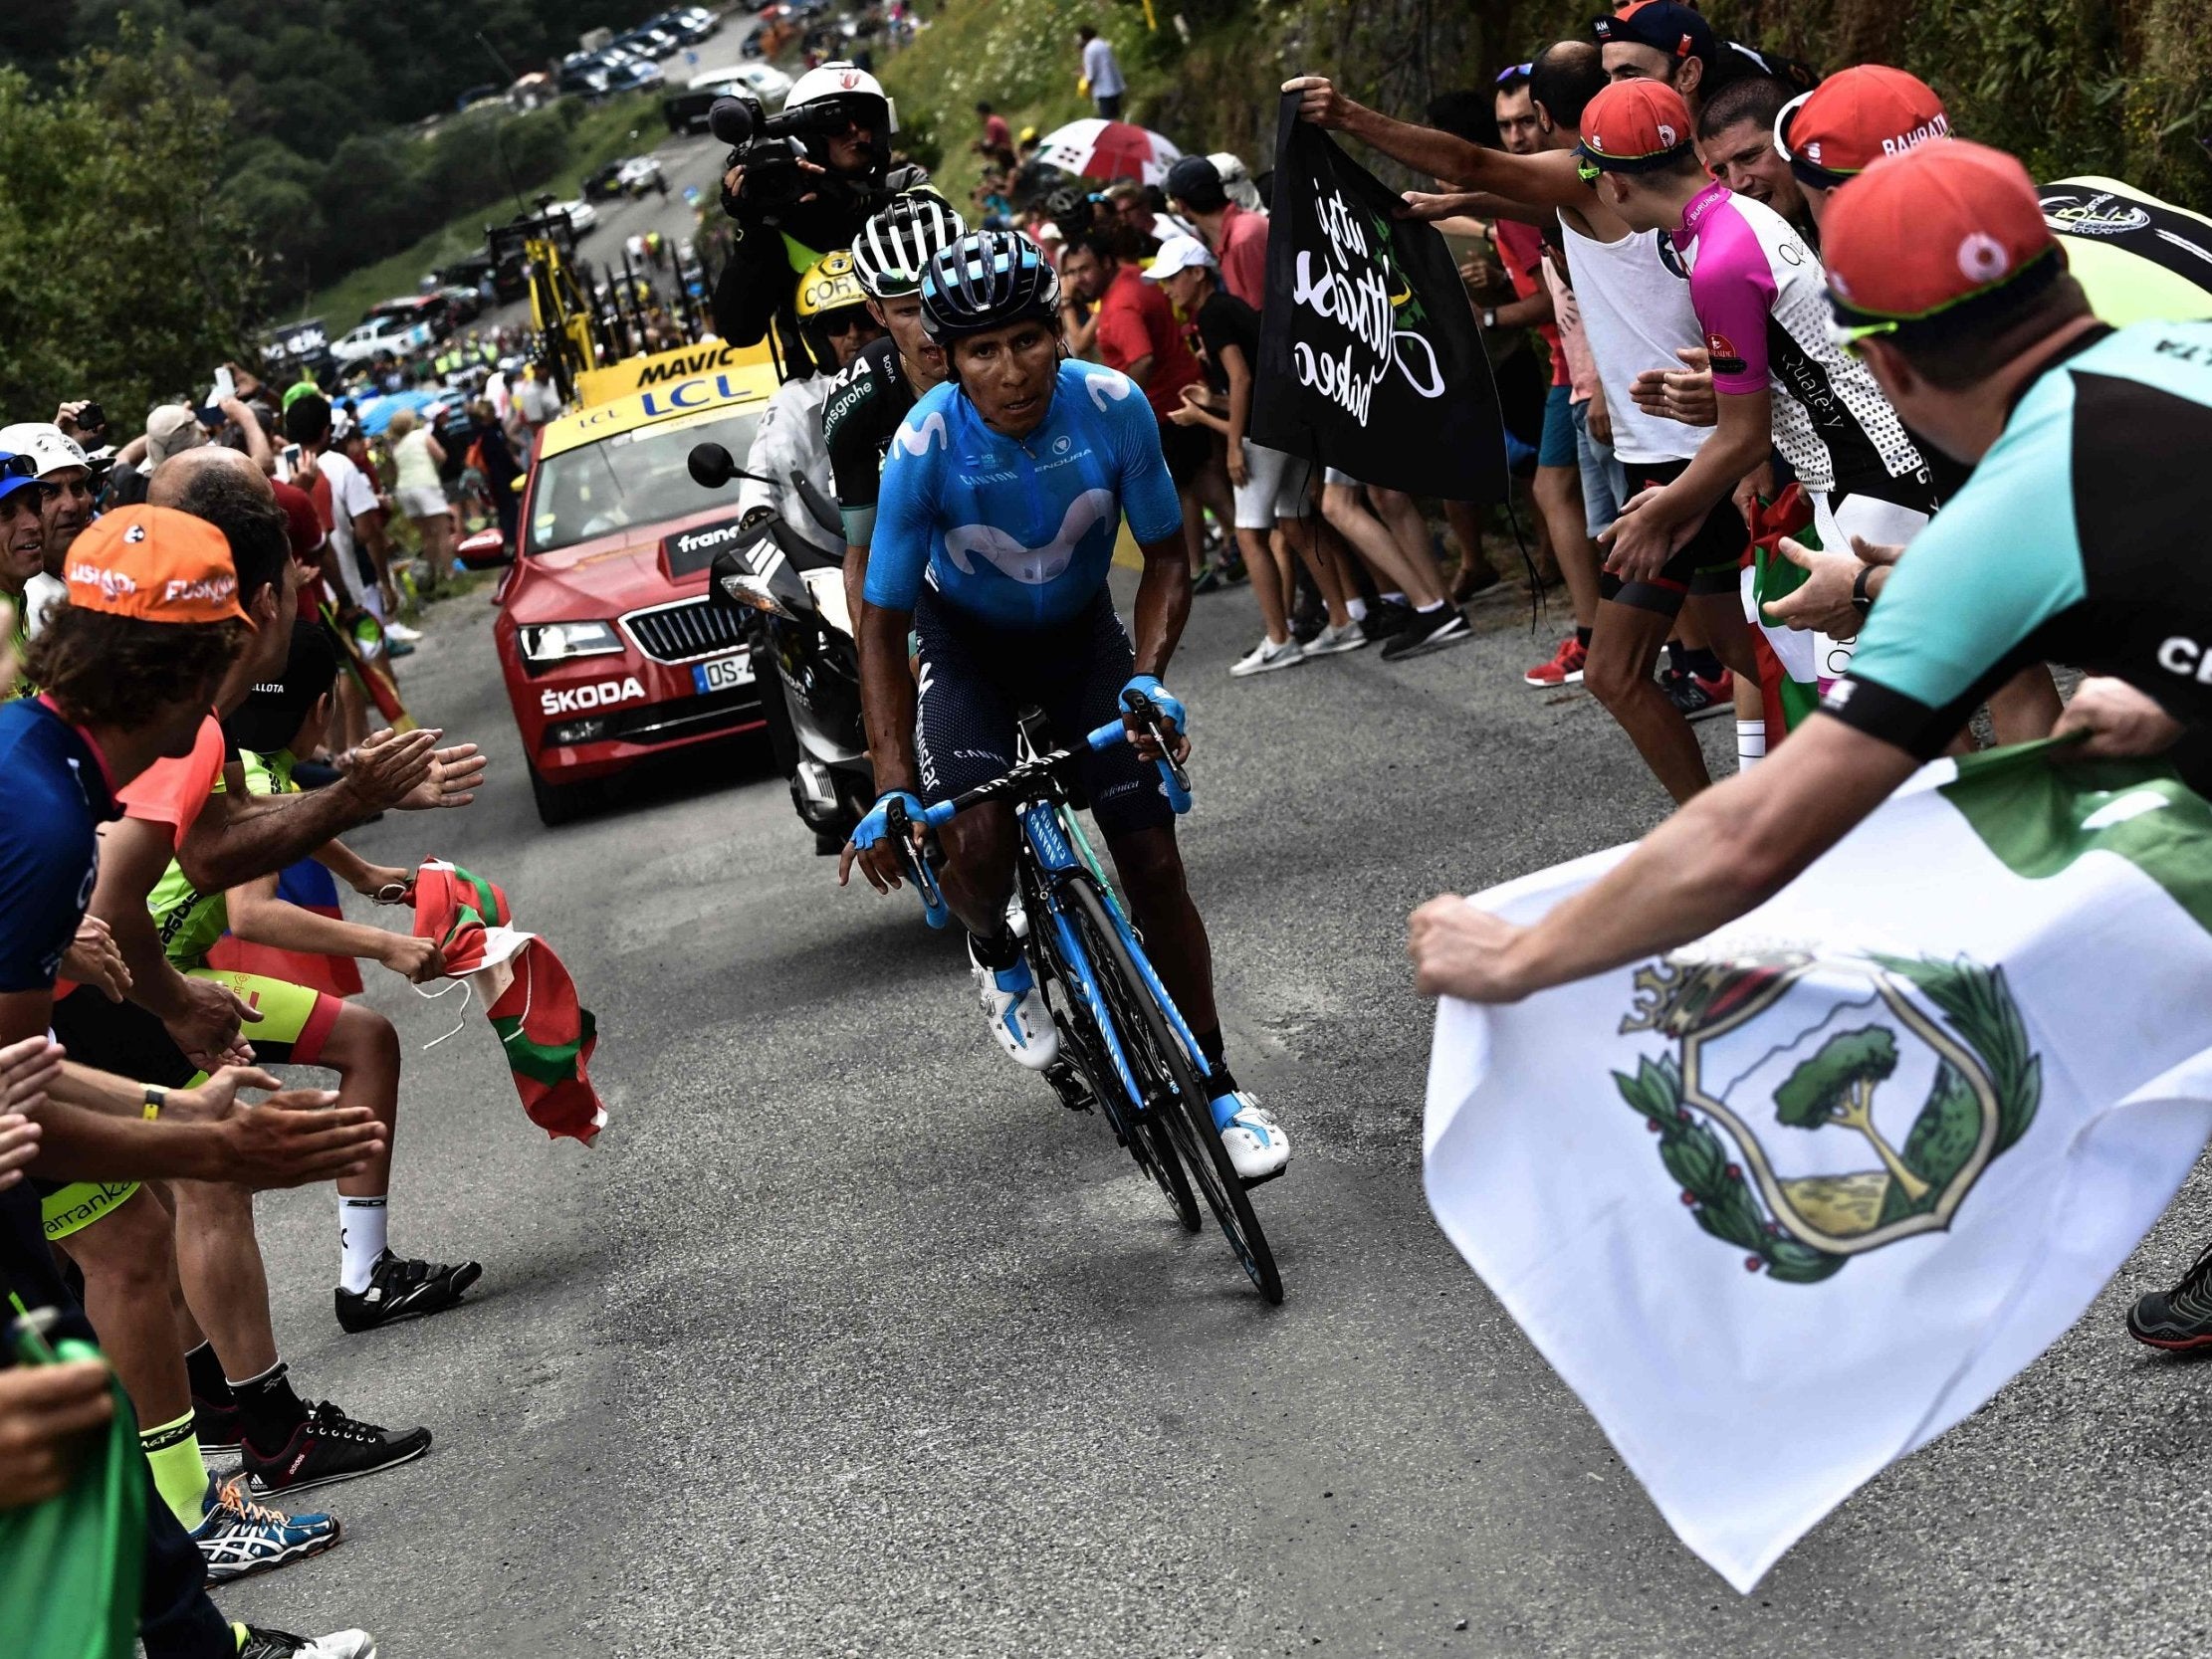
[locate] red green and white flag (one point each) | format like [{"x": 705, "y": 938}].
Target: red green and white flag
[
  {"x": 527, "y": 995},
  {"x": 1785, "y": 1204},
  {"x": 1795, "y": 666}
]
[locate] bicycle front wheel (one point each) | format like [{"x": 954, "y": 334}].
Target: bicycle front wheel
[{"x": 1181, "y": 1114}]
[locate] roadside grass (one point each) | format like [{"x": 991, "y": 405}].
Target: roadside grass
[{"x": 623, "y": 126}]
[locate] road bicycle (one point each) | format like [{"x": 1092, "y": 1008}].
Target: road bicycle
[{"x": 1125, "y": 1049}]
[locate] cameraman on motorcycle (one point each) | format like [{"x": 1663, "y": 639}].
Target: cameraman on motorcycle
[{"x": 781, "y": 223}]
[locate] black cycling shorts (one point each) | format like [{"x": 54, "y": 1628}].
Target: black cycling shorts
[
  {"x": 1710, "y": 562},
  {"x": 975, "y": 679}
]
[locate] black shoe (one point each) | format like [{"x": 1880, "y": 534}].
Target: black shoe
[
  {"x": 1385, "y": 617},
  {"x": 219, "y": 1428},
  {"x": 1426, "y": 628},
  {"x": 402, "y": 1289},
  {"x": 1698, "y": 697},
  {"x": 282, "y": 1644},
  {"x": 1208, "y": 580},
  {"x": 329, "y": 1446},
  {"x": 2179, "y": 1319},
  {"x": 1307, "y": 621}
]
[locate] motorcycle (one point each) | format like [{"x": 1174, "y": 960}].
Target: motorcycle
[{"x": 795, "y": 593}]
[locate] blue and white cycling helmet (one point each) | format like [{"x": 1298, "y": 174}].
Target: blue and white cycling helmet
[{"x": 985, "y": 280}]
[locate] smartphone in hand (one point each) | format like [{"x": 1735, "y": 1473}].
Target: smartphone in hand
[{"x": 225, "y": 386}]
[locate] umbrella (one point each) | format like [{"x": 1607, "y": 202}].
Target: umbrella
[
  {"x": 1109, "y": 150},
  {"x": 376, "y": 413}
]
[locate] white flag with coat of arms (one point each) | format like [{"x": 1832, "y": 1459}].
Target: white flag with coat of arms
[{"x": 1785, "y": 1206}]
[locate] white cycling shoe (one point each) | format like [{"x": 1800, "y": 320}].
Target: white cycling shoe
[
  {"x": 1015, "y": 1008},
  {"x": 1258, "y": 1151}
]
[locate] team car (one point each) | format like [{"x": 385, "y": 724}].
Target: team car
[{"x": 608, "y": 645}]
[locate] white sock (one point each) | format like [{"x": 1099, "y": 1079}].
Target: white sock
[
  {"x": 1358, "y": 608},
  {"x": 360, "y": 1237},
  {"x": 1430, "y": 610},
  {"x": 1751, "y": 744}
]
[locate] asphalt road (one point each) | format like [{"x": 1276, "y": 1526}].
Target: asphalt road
[{"x": 848, "y": 1339}]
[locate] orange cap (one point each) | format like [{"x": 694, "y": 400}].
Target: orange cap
[
  {"x": 156, "y": 564},
  {"x": 1632, "y": 126},
  {"x": 1934, "y": 227}
]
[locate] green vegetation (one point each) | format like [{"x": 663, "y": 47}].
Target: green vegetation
[
  {"x": 2122, "y": 88},
  {"x": 122, "y": 274},
  {"x": 620, "y": 127}
]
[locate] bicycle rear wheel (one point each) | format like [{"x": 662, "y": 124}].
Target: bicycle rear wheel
[
  {"x": 1081, "y": 1043},
  {"x": 1181, "y": 1116}
]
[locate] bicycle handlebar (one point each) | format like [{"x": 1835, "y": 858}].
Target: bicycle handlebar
[{"x": 1174, "y": 781}]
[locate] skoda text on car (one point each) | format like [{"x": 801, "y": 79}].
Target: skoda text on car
[{"x": 609, "y": 647}]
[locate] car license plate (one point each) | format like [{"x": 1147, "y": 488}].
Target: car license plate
[{"x": 720, "y": 673}]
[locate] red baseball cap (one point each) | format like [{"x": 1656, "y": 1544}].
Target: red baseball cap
[
  {"x": 1931, "y": 229},
  {"x": 1633, "y": 126},
  {"x": 1853, "y": 118},
  {"x": 155, "y": 564}
]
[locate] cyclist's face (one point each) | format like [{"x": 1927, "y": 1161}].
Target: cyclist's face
[
  {"x": 902, "y": 319},
  {"x": 1008, "y": 374}
]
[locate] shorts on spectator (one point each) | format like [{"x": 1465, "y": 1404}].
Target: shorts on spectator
[
  {"x": 1558, "y": 448},
  {"x": 1186, "y": 448},
  {"x": 1707, "y": 564},
  {"x": 1276, "y": 487},
  {"x": 1604, "y": 485},
  {"x": 422, "y": 500}
]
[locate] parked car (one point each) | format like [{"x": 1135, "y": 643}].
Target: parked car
[
  {"x": 582, "y": 216},
  {"x": 689, "y": 24},
  {"x": 428, "y": 312},
  {"x": 652, "y": 42},
  {"x": 603, "y": 184},
  {"x": 377, "y": 335},
  {"x": 686, "y": 111},
  {"x": 639, "y": 174},
  {"x": 634, "y": 74},
  {"x": 464, "y": 301},
  {"x": 591, "y": 83}
]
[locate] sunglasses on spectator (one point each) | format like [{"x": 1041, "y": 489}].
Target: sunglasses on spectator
[
  {"x": 836, "y": 325},
  {"x": 1511, "y": 69},
  {"x": 1849, "y": 339},
  {"x": 19, "y": 466}
]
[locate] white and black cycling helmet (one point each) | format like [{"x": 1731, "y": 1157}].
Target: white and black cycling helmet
[
  {"x": 985, "y": 280},
  {"x": 895, "y": 247}
]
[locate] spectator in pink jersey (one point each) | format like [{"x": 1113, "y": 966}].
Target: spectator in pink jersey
[{"x": 1236, "y": 235}]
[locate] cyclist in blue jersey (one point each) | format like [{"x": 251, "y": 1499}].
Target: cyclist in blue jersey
[{"x": 1001, "y": 497}]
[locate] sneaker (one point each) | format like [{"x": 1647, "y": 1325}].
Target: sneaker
[
  {"x": 1016, "y": 1010},
  {"x": 1207, "y": 580},
  {"x": 1385, "y": 617},
  {"x": 399, "y": 1288},
  {"x": 220, "y": 1429},
  {"x": 1257, "y": 1149},
  {"x": 1564, "y": 669},
  {"x": 401, "y": 632},
  {"x": 1425, "y": 630},
  {"x": 1017, "y": 917},
  {"x": 282, "y": 1644},
  {"x": 1266, "y": 656},
  {"x": 398, "y": 648},
  {"x": 1308, "y": 620},
  {"x": 2178, "y": 1320},
  {"x": 1698, "y": 697},
  {"x": 238, "y": 1536},
  {"x": 1330, "y": 641},
  {"x": 329, "y": 1446}
]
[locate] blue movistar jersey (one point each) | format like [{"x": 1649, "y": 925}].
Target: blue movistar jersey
[{"x": 1019, "y": 532}]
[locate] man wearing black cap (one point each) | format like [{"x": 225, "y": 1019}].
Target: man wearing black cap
[
  {"x": 1236, "y": 235},
  {"x": 1664, "y": 40}
]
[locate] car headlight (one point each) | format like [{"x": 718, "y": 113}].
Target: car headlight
[{"x": 557, "y": 642}]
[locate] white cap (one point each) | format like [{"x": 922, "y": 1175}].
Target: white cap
[
  {"x": 1178, "y": 253},
  {"x": 54, "y": 448}
]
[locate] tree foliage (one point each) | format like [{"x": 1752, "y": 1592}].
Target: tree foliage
[
  {"x": 1850, "y": 1061},
  {"x": 125, "y": 273}
]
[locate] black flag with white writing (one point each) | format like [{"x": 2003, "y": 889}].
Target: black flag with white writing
[{"x": 1370, "y": 360}]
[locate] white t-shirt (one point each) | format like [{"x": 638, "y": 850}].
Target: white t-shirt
[
  {"x": 39, "y": 595},
  {"x": 351, "y": 495},
  {"x": 1100, "y": 69}
]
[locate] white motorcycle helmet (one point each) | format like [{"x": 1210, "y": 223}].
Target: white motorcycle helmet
[{"x": 841, "y": 86}]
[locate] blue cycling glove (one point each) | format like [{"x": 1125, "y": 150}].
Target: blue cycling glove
[
  {"x": 1169, "y": 705},
  {"x": 876, "y": 826}
]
